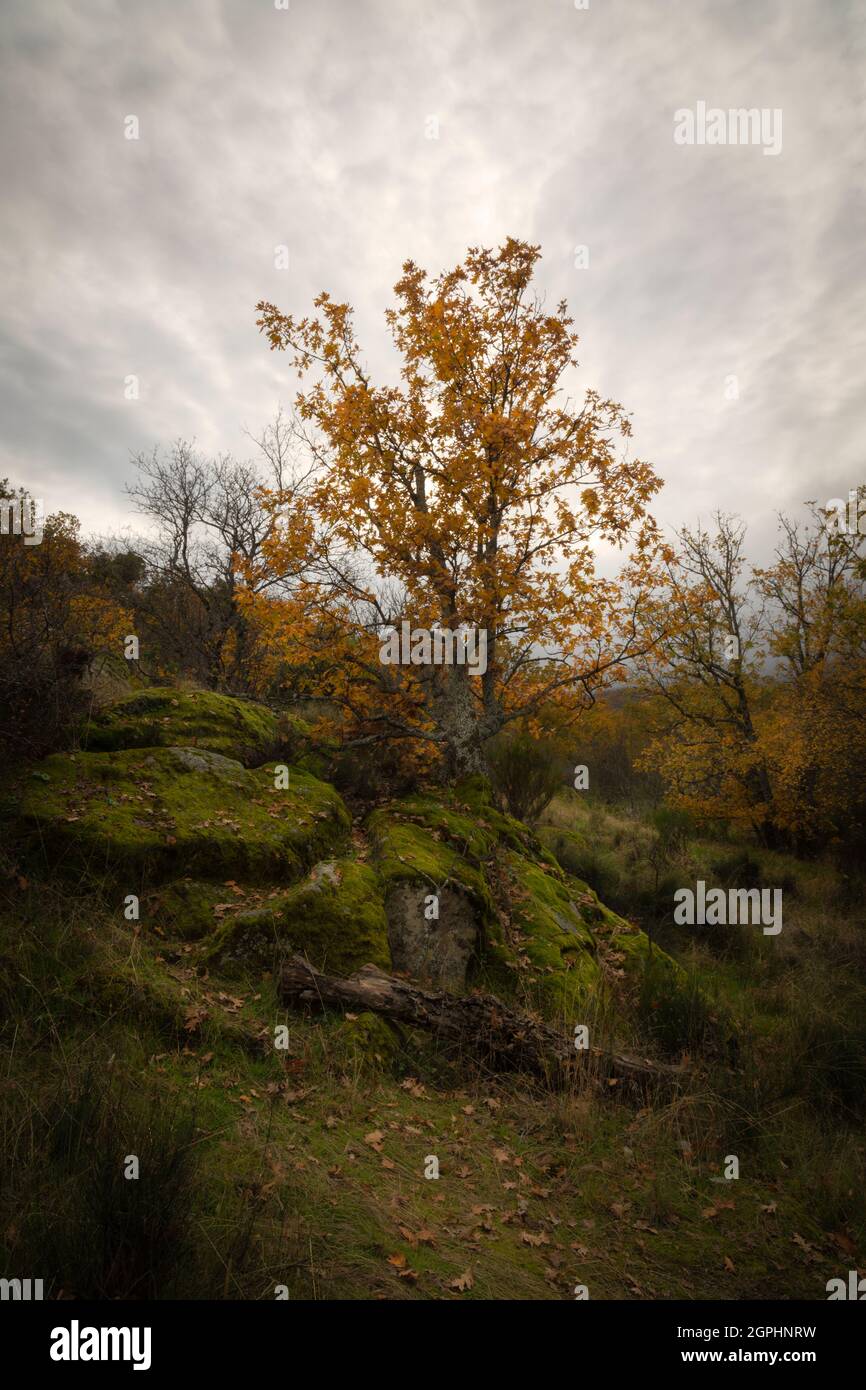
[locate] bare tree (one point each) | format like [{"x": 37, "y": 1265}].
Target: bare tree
[{"x": 209, "y": 529}]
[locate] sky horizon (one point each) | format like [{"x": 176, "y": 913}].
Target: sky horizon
[{"x": 715, "y": 287}]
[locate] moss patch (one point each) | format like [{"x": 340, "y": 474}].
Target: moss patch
[
  {"x": 183, "y": 909},
  {"x": 366, "y": 1043},
  {"x": 410, "y": 852},
  {"x": 156, "y": 814},
  {"x": 335, "y": 918},
  {"x": 474, "y": 797},
  {"x": 548, "y": 939},
  {"x": 164, "y": 717}
]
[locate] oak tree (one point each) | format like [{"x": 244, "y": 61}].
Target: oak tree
[{"x": 469, "y": 493}]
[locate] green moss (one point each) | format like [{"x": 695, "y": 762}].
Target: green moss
[
  {"x": 549, "y": 938},
  {"x": 474, "y": 796},
  {"x": 626, "y": 946},
  {"x": 468, "y": 820},
  {"x": 568, "y": 847},
  {"x": 138, "y": 987},
  {"x": 156, "y": 814},
  {"x": 407, "y": 851},
  {"x": 366, "y": 1042},
  {"x": 183, "y": 909},
  {"x": 335, "y": 918},
  {"x": 164, "y": 717},
  {"x": 467, "y": 836}
]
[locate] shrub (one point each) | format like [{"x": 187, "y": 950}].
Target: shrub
[{"x": 525, "y": 773}]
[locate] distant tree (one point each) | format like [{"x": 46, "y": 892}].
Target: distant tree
[
  {"x": 763, "y": 671},
  {"x": 816, "y": 740},
  {"x": 707, "y": 666},
  {"x": 210, "y": 528},
  {"x": 56, "y": 622}
]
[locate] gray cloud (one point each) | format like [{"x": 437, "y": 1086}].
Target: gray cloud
[{"x": 260, "y": 127}]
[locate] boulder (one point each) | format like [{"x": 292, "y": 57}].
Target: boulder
[
  {"x": 144, "y": 816},
  {"x": 435, "y": 950},
  {"x": 163, "y": 717},
  {"x": 335, "y": 917}
]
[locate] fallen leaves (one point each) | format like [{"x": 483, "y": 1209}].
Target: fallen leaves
[{"x": 193, "y": 1017}]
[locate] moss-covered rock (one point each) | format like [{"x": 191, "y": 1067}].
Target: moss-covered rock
[
  {"x": 420, "y": 841},
  {"x": 627, "y": 951},
  {"x": 335, "y": 918},
  {"x": 473, "y": 797},
  {"x": 367, "y": 1043},
  {"x": 184, "y": 909},
  {"x": 164, "y": 717},
  {"x": 430, "y": 859},
  {"x": 548, "y": 938},
  {"x": 149, "y": 815}
]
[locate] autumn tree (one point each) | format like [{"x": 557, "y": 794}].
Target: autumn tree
[
  {"x": 816, "y": 741},
  {"x": 57, "y": 622},
  {"x": 708, "y": 667},
  {"x": 763, "y": 671},
  {"x": 469, "y": 494}
]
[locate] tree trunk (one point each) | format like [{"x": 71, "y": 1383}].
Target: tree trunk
[
  {"x": 456, "y": 714},
  {"x": 478, "y": 1024}
]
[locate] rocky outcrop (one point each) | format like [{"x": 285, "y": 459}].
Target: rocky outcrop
[
  {"x": 162, "y": 717},
  {"x": 335, "y": 917},
  {"x": 145, "y": 815},
  {"x": 245, "y": 867}
]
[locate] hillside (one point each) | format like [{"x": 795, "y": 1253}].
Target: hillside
[{"x": 156, "y": 877}]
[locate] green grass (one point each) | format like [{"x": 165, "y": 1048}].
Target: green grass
[{"x": 306, "y": 1167}]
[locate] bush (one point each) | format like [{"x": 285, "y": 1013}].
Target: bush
[
  {"x": 739, "y": 870},
  {"x": 525, "y": 773}
]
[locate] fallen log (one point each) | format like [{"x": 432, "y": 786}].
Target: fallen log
[{"x": 480, "y": 1024}]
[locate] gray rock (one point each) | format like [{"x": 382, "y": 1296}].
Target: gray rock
[{"x": 437, "y": 952}]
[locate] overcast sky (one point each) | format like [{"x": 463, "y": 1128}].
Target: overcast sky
[{"x": 310, "y": 128}]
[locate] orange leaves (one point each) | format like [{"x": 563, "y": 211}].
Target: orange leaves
[{"x": 456, "y": 488}]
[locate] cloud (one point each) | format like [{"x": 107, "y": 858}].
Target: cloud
[{"x": 309, "y": 128}]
